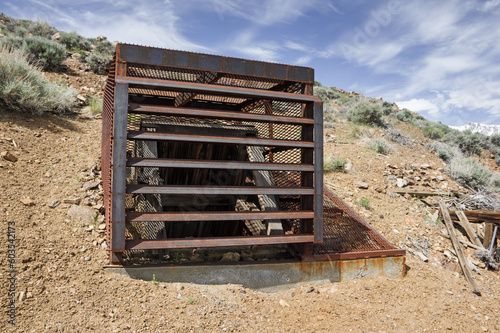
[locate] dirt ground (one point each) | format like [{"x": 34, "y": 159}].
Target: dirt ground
[{"x": 61, "y": 285}]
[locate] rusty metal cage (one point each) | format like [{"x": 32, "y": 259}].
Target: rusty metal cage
[{"x": 209, "y": 151}]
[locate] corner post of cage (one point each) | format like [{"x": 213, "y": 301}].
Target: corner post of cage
[
  {"x": 119, "y": 168},
  {"x": 318, "y": 174}
]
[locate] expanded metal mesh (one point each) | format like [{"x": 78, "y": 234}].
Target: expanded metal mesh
[
  {"x": 345, "y": 231},
  {"x": 107, "y": 144}
]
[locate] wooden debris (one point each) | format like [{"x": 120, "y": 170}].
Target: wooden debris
[
  {"x": 418, "y": 193},
  {"x": 478, "y": 216},
  {"x": 465, "y": 243},
  {"x": 418, "y": 254},
  {"x": 462, "y": 259},
  {"x": 464, "y": 222}
]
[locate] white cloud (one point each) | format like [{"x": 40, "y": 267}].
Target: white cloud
[
  {"x": 267, "y": 12},
  {"x": 419, "y": 105},
  {"x": 247, "y": 45},
  {"x": 304, "y": 60}
]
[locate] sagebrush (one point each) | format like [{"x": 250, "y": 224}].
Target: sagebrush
[{"x": 23, "y": 88}]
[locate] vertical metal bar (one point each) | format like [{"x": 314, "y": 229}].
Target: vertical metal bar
[
  {"x": 307, "y": 202},
  {"x": 318, "y": 172},
  {"x": 118, "y": 169}
]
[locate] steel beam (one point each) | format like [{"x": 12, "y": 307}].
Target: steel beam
[
  {"x": 118, "y": 164},
  {"x": 211, "y": 114},
  {"x": 250, "y": 141},
  {"x": 208, "y": 190},
  {"x": 200, "y": 88},
  {"x": 206, "y": 62},
  {"x": 318, "y": 172},
  {"x": 183, "y": 243},
  {"x": 217, "y": 216},
  {"x": 231, "y": 165}
]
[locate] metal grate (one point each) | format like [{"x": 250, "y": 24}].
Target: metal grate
[
  {"x": 186, "y": 136},
  {"x": 346, "y": 233}
]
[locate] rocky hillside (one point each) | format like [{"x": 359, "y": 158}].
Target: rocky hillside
[{"x": 50, "y": 189}]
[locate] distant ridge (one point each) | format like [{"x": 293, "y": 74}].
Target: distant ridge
[{"x": 479, "y": 128}]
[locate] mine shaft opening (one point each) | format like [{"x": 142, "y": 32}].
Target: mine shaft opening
[{"x": 191, "y": 152}]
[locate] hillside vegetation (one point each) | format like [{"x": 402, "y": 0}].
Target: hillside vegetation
[
  {"x": 27, "y": 48},
  {"x": 462, "y": 151}
]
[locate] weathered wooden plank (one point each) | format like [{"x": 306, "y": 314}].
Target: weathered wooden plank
[
  {"x": 464, "y": 222},
  {"x": 478, "y": 216},
  {"x": 462, "y": 259},
  {"x": 419, "y": 193}
]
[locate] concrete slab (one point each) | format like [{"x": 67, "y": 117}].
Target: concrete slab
[{"x": 270, "y": 276}]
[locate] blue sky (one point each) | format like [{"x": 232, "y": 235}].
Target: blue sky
[{"x": 438, "y": 58}]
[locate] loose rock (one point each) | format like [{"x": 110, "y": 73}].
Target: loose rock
[
  {"x": 81, "y": 215},
  {"x": 8, "y": 156},
  {"x": 28, "y": 201}
]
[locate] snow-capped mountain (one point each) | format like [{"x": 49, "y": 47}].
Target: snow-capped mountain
[{"x": 480, "y": 128}]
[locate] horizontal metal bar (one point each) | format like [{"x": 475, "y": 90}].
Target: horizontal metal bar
[
  {"x": 231, "y": 190},
  {"x": 207, "y": 62},
  {"x": 211, "y": 89},
  {"x": 355, "y": 255},
  {"x": 217, "y": 216},
  {"x": 155, "y": 136},
  {"x": 199, "y": 164},
  {"x": 182, "y": 243},
  {"x": 206, "y": 113}
]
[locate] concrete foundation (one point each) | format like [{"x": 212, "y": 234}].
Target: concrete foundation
[{"x": 270, "y": 276}]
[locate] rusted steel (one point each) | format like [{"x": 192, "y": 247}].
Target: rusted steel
[
  {"x": 178, "y": 132},
  {"x": 216, "y": 90},
  {"x": 118, "y": 176},
  {"x": 216, "y": 216},
  {"x": 215, "y": 242},
  {"x": 210, "y": 114},
  {"x": 206, "y": 62},
  {"x": 208, "y": 190},
  {"x": 142, "y": 135},
  {"x": 184, "y": 163},
  {"x": 318, "y": 177}
]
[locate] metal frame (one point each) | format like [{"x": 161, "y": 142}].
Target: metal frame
[{"x": 144, "y": 82}]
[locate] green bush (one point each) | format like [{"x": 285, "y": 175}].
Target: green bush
[
  {"x": 105, "y": 48},
  {"x": 495, "y": 180},
  {"x": 387, "y": 110},
  {"x": 445, "y": 151},
  {"x": 332, "y": 163},
  {"x": 495, "y": 140},
  {"x": 468, "y": 142},
  {"x": 42, "y": 29},
  {"x": 326, "y": 94},
  {"x": 48, "y": 53},
  {"x": 74, "y": 41},
  {"x": 344, "y": 100},
  {"x": 95, "y": 105},
  {"x": 405, "y": 115},
  {"x": 433, "y": 132},
  {"x": 98, "y": 63},
  {"x": 468, "y": 171},
  {"x": 23, "y": 88},
  {"x": 363, "y": 202},
  {"x": 381, "y": 146},
  {"x": 20, "y": 31},
  {"x": 366, "y": 113},
  {"x": 360, "y": 131}
]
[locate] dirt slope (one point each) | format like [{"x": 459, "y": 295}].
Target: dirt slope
[{"x": 64, "y": 288}]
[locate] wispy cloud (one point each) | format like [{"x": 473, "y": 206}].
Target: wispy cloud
[{"x": 268, "y": 12}]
